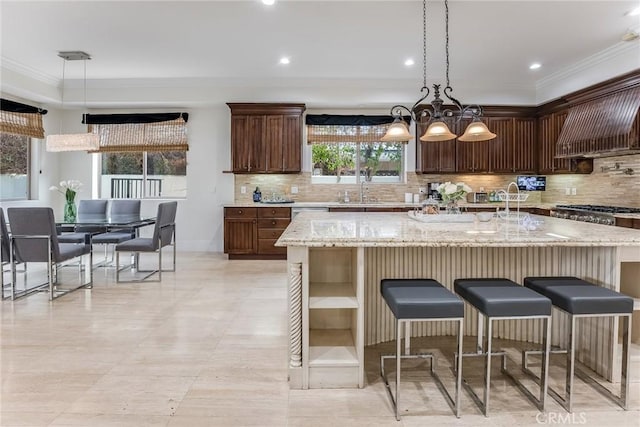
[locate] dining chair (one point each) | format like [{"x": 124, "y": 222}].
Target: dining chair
[
  {"x": 117, "y": 208},
  {"x": 5, "y": 254},
  {"x": 82, "y": 234},
  {"x": 163, "y": 235},
  {"x": 34, "y": 239}
]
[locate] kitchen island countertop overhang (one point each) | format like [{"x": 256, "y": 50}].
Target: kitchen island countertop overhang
[{"x": 322, "y": 229}]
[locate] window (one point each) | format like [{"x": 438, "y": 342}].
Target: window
[
  {"x": 143, "y": 155},
  {"x": 349, "y": 150},
  {"x": 14, "y": 166},
  {"x": 144, "y": 175},
  {"x": 344, "y": 162},
  {"x": 18, "y": 124}
]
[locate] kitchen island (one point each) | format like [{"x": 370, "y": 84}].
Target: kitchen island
[{"x": 336, "y": 262}]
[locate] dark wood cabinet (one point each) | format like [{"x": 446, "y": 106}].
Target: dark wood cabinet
[
  {"x": 549, "y": 127},
  {"x": 240, "y": 231},
  {"x": 501, "y": 148},
  {"x": 266, "y": 138},
  {"x": 513, "y": 149},
  {"x": 437, "y": 156},
  {"x": 250, "y": 233},
  {"x": 525, "y": 158}
]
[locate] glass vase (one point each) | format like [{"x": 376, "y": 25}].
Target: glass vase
[
  {"x": 70, "y": 211},
  {"x": 453, "y": 208}
]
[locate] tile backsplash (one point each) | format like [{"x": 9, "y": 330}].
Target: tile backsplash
[{"x": 614, "y": 181}]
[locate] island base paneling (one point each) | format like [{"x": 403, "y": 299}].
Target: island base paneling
[{"x": 596, "y": 264}]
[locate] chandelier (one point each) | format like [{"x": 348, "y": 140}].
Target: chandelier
[
  {"x": 77, "y": 141},
  {"x": 435, "y": 114}
]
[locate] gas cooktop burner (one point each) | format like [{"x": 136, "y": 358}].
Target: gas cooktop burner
[{"x": 599, "y": 208}]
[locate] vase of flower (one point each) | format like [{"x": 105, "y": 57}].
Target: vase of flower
[
  {"x": 70, "y": 209},
  {"x": 69, "y": 189},
  {"x": 452, "y": 194}
]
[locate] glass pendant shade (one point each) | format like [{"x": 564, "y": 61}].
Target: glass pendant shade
[
  {"x": 73, "y": 142},
  {"x": 397, "y": 132},
  {"x": 437, "y": 131},
  {"x": 477, "y": 131}
]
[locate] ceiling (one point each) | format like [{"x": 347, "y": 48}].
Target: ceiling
[{"x": 232, "y": 48}]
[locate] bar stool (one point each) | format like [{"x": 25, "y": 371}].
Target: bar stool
[
  {"x": 581, "y": 299},
  {"x": 421, "y": 300},
  {"x": 503, "y": 299}
]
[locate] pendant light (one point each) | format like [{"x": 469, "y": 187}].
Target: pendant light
[
  {"x": 78, "y": 141},
  {"x": 435, "y": 114}
]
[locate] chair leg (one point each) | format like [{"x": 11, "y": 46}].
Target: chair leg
[{"x": 487, "y": 366}]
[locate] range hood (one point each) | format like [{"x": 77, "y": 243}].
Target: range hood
[{"x": 607, "y": 126}]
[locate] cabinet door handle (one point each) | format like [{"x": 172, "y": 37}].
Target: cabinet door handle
[
  {"x": 240, "y": 212},
  {"x": 273, "y": 223},
  {"x": 273, "y": 212}
]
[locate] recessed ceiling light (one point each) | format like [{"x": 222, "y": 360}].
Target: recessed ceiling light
[
  {"x": 409, "y": 62},
  {"x": 535, "y": 66},
  {"x": 285, "y": 60},
  {"x": 634, "y": 12},
  {"x": 268, "y": 2}
]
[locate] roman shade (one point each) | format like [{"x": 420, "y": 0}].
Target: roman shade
[
  {"x": 139, "y": 132},
  {"x": 21, "y": 119},
  {"x": 607, "y": 125},
  {"x": 335, "y": 129}
]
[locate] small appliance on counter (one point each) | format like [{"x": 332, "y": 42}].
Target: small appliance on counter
[
  {"x": 432, "y": 190},
  {"x": 477, "y": 197}
]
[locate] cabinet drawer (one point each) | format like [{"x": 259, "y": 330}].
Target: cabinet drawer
[
  {"x": 265, "y": 246},
  {"x": 273, "y": 223},
  {"x": 274, "y": 213},
  {"x": 240, "y": 212},
  {"x": 270, "y": 233}
]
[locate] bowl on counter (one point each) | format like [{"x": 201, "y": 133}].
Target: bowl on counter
[{"x": 484, "y": 216}]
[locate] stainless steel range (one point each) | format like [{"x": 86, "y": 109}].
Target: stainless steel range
[{"x": 591, "y": 213}]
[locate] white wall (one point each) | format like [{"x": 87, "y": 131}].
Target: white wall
[{"x": 200, "y": 216}]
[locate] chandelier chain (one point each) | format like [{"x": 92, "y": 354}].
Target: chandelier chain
[
  {"x": 424, "y": 43},
  {"x": 446, "y": 20}
]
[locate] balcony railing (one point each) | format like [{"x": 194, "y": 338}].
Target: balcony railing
[{"x": 133, "y": 188}]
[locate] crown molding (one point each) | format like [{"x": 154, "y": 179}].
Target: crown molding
[
  {"x": 605, "y": 55},
  {"x": 12, "y": 65}
]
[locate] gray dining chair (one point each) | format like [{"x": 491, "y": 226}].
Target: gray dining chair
[
  {"x": 163, "y": 235},
  {"x": 34, "y": 239},
  {"x": 5, "y": 255},
  {"x": 122, "y": 208},
  {"x": 81, "y": 234}
]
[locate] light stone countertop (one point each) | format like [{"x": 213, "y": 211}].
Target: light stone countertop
[
  {"x": 324, "y": 229},
  {"x": 493, "y": 205}
]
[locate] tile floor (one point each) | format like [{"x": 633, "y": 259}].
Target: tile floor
[{"x": 208, "y": 347}]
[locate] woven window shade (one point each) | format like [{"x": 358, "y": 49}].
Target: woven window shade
[
  {"x": 26, "y": 124},
  {"x": 168, "y": 135},
  {"x": 335, "y": 134}
]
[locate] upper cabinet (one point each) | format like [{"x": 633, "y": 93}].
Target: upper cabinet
[
  {"x": 549, "y": 127},
  {"x": 266, "y": 138},
  {"x": 435, "y": 156}
]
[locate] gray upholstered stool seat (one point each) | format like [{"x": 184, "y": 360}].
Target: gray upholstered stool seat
[
  {"x": 504, "y": 299},
  {"x": 579, "y": 298},
  {"x": 421, "y": 300}
]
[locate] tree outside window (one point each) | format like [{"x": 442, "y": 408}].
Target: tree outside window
[
  {"x": 14, "y": 166},
  {"x": 350, "y": 163}
]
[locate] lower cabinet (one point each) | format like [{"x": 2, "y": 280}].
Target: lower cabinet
[{"x": 250, "y": 233}]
